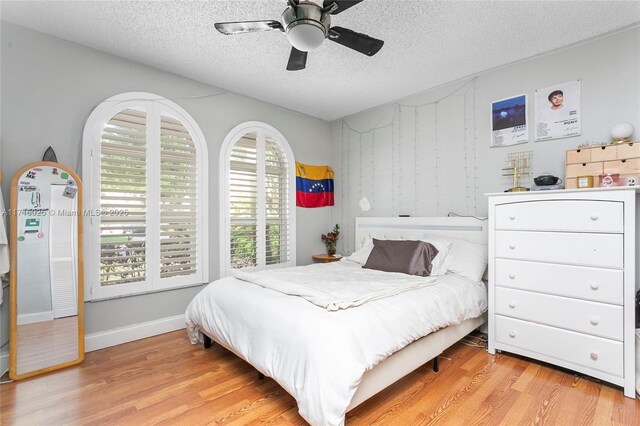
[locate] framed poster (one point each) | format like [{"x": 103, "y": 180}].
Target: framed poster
[
  {"x": 558, "y": 111},
  {"x": 509, "y": 121}
]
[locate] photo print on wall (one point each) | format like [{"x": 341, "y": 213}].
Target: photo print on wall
[
  {"x": 558, "y": 111},
  {"x": 509, "y": 121}
]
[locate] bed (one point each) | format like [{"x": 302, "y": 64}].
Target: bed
[{"x": 332, "y": 361}]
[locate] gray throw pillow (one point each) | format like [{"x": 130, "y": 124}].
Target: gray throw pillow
[{"x": 406, "y": 256}]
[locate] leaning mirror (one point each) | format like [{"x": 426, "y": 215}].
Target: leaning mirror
[{"x": 46, "y": 287}]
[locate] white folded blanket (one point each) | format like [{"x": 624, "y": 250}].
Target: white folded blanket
[{"x": 335, "y": 286}]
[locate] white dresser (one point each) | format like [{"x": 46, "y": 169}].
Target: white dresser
[{"x": 562, "y": 279}]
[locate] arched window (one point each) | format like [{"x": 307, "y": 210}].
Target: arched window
[
  {"x": 145, "y": 172},
  {"x": 257, "y": 214}
]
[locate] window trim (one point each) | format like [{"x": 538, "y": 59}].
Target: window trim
[
  {"x": 91, "y": 139},
  {"x": 232, "y": 137}
]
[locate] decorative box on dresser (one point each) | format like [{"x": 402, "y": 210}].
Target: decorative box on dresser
[{"x": 562, "y": 279}]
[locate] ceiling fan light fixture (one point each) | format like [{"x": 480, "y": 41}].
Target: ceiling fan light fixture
[
  {"x": 306, "y": 25},
  {"x": 306, "y": 35}
]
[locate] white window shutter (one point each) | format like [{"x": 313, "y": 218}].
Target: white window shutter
[
  {"x": 123, "y": 187},
  {"x": 145, "y": 163},
  {"x": 276, "y": 187},
  {"x": 178, "y": 200},
  {"x": 258, "y": 201},
  {"x": 243, "y": 203}
]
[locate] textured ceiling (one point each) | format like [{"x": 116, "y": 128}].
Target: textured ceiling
[{"x": 427, "y": 43}]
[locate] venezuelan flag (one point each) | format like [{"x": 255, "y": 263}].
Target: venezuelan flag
[{"x": 314, "y": 186}]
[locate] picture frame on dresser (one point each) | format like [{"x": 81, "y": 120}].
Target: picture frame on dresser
[{"x": 563, "y": 278}]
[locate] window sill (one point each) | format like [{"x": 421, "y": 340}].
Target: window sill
[{"x": 143, "y": 293}]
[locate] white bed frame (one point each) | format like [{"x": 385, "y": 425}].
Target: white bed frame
[{"x": 429, "y": 347}]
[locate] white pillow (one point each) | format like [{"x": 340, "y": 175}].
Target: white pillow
[
  {"x": 362, "y": 254},
  {"x": 438, "y": 264},
  {"x": 466, "y": 258}
]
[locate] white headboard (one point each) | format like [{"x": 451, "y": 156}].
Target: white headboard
[{"x": 468, "y": 228}]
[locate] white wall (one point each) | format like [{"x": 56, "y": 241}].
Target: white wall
[
  {"x": 48, "y": 88},
  {"x": 429, "y": 158}
]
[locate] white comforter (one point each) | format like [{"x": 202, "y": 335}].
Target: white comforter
[
  {"x": 335, "y": 287},
  {"x": 318, "y": 356}
]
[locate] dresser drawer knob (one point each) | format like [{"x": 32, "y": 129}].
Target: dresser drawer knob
[
  {"x": 594, "y": 356},
  {"x": 594, "y": 286},
  {"x": 512, "y": 276},
  {"x": 594, "y": 217},
  {"x": 512, "y": 334},
  {"x": 595, "y": 321},
  {"x": 512, "y": 217},
  {"x": 512, "y": 305},
  {"x": 512, "y": 246}
]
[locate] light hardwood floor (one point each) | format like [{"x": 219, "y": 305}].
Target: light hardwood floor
[{"x": 166, "y": 380}]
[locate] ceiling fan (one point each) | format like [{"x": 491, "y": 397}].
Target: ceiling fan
[{"x": 306, "y": 25}]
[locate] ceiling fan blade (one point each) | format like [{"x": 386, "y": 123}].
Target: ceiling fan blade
[
  {"x": 356, "y": 41},
  {"x": 297, "y": 60},
  {"x": 229, "y": 28},
  {"x": 342, "y": 5}
]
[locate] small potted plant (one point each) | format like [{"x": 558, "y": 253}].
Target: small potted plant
[{"x": 330, "y": 240}]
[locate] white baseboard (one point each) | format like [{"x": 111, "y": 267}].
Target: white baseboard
[
  {"x": 35, "y": 317},
  {"x": 117, "y": 336}
]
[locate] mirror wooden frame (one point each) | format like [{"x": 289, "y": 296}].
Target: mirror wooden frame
[{"x": 13, "y": 274}]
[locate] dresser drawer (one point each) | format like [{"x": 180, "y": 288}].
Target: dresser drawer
[
  {"x": 579, "y": 156},
  {"x": 584, "y": 169},
  {"x": 628, "y": 150},
  {"x": 588, "y": 351},
  {"x": 599, "y": 285},
  {"x": 597, "y": 319},
  {"x": 623, "y": 167},
  {"x": 604, "y": 153},
  {"x": 561, "y": 215},
  {"x": 598, "y": 250}
]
